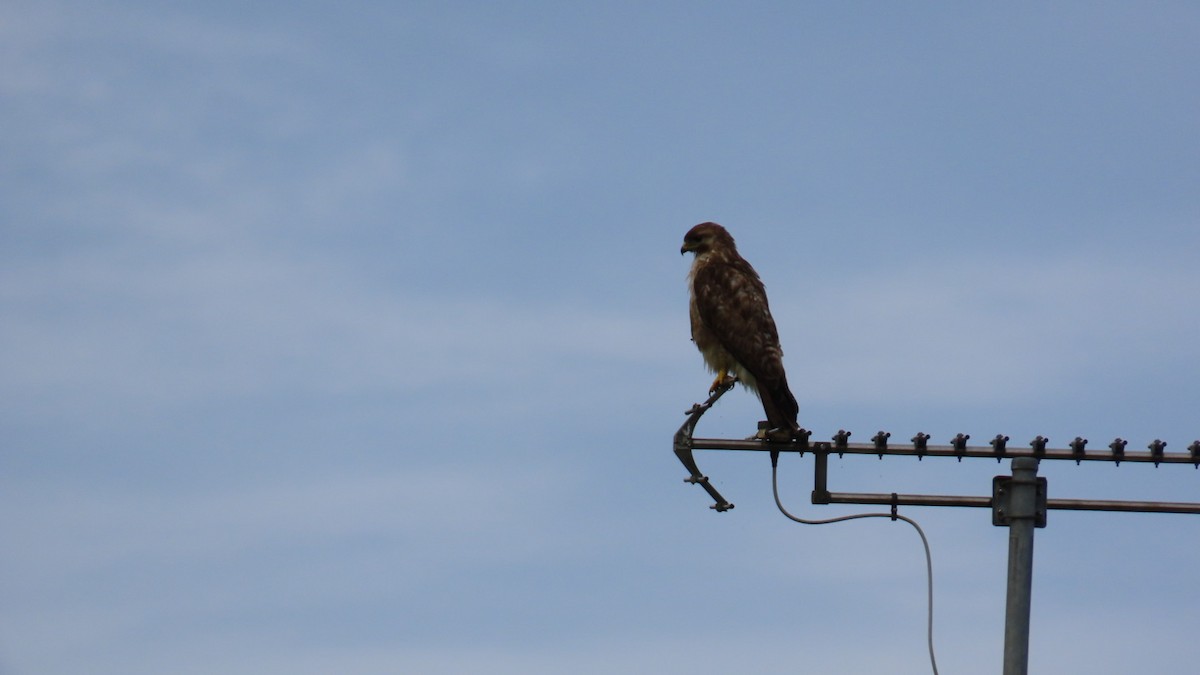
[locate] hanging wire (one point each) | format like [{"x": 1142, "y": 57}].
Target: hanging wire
[{"x": 856, "y": 516}]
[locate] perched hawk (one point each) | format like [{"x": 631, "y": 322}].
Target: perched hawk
[{"x": 732, "y": 325}]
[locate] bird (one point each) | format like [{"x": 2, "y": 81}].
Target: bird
[{"x": 732, "y": 324}]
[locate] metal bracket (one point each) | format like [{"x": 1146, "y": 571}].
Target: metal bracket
[
  {"x": 1002, "y": 510},
  {"x": 684, "y": 446}
]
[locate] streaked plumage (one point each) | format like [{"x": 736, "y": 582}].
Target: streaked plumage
[{"x": 732, "y": 324}]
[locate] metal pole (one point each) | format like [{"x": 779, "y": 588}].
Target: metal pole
[{"x": 1022, "y": 514}]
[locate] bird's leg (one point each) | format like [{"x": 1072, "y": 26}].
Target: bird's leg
[{"x": 724, "y": 379}]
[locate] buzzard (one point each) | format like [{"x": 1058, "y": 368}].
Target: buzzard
[{"x": 732, "y": 324}]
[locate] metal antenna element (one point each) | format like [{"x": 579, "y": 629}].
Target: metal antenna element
[
  {"x": 1018, "y": 501},
  {"x": 959, "y": 443}
]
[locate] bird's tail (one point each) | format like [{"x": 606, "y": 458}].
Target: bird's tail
[{"x": 779, "y": 404}]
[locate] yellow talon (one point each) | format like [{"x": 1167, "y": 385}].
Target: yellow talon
[{"x": 723, "y": 379}]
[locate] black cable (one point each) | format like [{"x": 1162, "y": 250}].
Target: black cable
[{"x": 910, "y": 521}]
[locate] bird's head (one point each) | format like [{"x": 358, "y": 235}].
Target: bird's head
[{"x": 704, "y": 238}]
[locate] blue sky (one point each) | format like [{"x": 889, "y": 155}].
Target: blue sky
[{"x": 342, "y": 337}]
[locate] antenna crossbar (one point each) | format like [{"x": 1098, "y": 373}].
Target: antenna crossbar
[
  {"x": 912, "y": 450},
  {"x": 1018, "y": 502}
]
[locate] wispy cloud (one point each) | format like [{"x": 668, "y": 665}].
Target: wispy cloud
[
  {"x": 350, "y": 339},
  {"x": 121, "y": 330}
]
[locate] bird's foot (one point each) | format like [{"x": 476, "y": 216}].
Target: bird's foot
[
  {"x": 723, "y": 381},
  {"x": 779, "y": 435},
  {"x": 776, "y": 435}
]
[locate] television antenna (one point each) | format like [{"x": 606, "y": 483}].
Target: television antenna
[{"x": 1018, "y": 501}]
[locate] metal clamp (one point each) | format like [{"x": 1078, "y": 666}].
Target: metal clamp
[{"x": 1003, "y": 512}]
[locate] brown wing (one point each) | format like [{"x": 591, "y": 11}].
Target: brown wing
[{"x": 732, "y": 303}]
